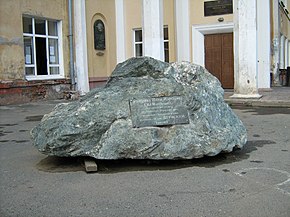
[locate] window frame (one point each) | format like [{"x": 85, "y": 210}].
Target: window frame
[
  {"x": 49, "y": 65},
  {"x": 166, "y": 41},
  {"x": 137, "y": 43}
]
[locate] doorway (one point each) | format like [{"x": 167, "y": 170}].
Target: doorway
[{"x": 219, "y": 58}]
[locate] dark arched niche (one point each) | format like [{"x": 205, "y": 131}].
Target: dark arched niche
[{"x": 99, "y": 35}]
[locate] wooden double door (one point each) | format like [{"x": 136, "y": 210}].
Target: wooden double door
[{"x": 219, "y": 58}]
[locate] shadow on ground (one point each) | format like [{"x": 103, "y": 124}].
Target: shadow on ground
[{"x": 64, "y": 164}]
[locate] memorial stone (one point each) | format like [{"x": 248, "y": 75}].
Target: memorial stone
[{"x": 147, "y": 110}]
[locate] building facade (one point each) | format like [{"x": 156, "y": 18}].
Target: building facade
[{"x": 49, "y": 48}]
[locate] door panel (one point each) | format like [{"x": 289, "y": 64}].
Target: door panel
[
  {"x": 219, "y": 59},
  {"x": 227, "y": 61},
  {"x": 212, "y": 53}
]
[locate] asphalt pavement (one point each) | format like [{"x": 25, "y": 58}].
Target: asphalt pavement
[{"x": 254, "y": 181}]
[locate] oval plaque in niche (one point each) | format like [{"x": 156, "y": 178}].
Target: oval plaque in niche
[{"x": 99, "y": 35}]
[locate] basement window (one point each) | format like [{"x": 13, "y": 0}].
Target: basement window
[{"x": 42, "y": 48}]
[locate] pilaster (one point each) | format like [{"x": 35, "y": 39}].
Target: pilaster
[
  {"x": 182, "y": 30},
  {"x": 264, "y": 43},
  {"x": 245, "y": 49},
  {"x": 80, "y": 39},
  {"x": 153, "y": 41},
  {"x": 120, "y": 30}
]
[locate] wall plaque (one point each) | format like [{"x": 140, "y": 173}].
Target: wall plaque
[
  {"x": 219, "y": 7},
  {"x": 99, "y": 35},
  {"x": 158, "y": 111}
]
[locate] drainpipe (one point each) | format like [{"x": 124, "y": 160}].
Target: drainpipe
[{"x": 71, "y": 51}]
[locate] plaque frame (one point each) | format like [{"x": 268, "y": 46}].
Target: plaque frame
[
  {"x": 158, "y": 111},
  {"x": 218, "y": 7}
]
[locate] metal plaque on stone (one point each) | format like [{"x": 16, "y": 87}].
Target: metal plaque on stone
[
  {"x": 219, "y": 7},
  {"x": 158, "y": 111}
]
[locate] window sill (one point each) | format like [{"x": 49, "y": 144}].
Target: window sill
[{"x": 43, "y": 77}]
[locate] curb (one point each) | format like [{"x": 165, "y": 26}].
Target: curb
[{"x": 260, "y": 103}]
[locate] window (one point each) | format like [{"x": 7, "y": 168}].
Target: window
[
  {"x": 42, "y": 48},
  {"x": 166, "y": 44},
  {"x": 138, "y": 44}
]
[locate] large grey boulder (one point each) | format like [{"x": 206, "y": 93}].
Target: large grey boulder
[{"x": 148, "y": 110}]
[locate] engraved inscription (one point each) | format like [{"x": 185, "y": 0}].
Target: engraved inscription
[{"x": 158, "y": 111}]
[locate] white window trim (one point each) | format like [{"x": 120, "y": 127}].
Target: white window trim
[
  {"x": 135, "y": 43},
  {"x": 198, "y": 32},
  {"x": 166, "y": 41},
  {"x": 59, "y": 38}
]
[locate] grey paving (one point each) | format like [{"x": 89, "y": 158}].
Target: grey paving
[
  {"x": 254, "y": 181},
  {"x": 274, "y": 97}
]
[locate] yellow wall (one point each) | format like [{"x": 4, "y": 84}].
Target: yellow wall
[
  {"x": 169, "y": 20},
  {"x": 133, "y": 20},
  {"x": 11, "y": 33},
  {"x": 101, "y": 63},
  {"x": 196, "y": 11},
  {"x": 197, "y": 14}
]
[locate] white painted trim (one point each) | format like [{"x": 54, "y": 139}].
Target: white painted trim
[
  {"x": 59, "y": 39},
  {"x": 182, "y": 30},
  {"x": 60, "y": 49},
  {"x": 34, "y": 47},
  {"x": 120, "y": 31},
  {"x": 47, "y": 47},
  {"x": 198, "y": 32},
  {"x": 43, "y": 77}
]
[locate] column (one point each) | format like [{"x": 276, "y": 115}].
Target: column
[
  {"x": 282, "y": 52},
  {"x": 182, "y": 30},
  {"x": 264, "y": 43},
  {"x": 80, "y": 38},
  {"x": 286, "y": 63},
  {"x": 120, "y": 30},
  {"x": 153, "y": 41},
  {"x": 276, "y": 42},
  {"x": 245, "y": 49}
]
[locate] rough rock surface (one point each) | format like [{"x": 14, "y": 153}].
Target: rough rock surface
[{"x": 102, "y": 124}]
